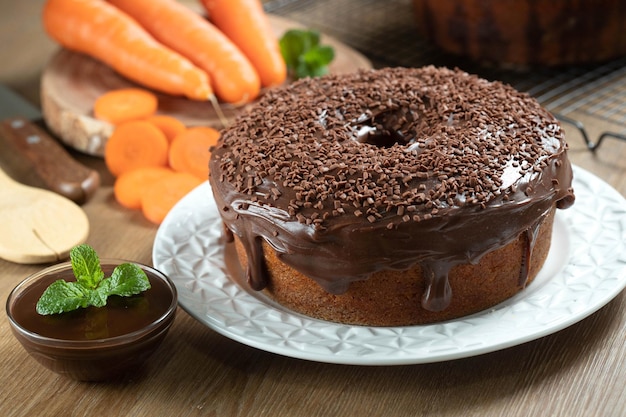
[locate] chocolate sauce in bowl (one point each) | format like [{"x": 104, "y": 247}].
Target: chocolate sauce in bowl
[
  {"x": 121, "y": 315},
  {"x": 92, "y": 344}
]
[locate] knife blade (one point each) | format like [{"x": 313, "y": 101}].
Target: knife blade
[{"x": 34, "y": 156}]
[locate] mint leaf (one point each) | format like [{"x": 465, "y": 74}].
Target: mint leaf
[
  {"x": 316, "y": 60},
  {"x": 62, "y": 296},
  {"x": 291, "y": 47},
  {"x": 86, "y": 266},
  {"x": 303, "y": 54},
  {"x": 98, "y": 297},
  {"x": 91, "y": 288},
  {"x": 128, "y": 279}
]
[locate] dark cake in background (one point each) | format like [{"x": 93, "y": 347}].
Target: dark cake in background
[{"x": 526, "y": 32}]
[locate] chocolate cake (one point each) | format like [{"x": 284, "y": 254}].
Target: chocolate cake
[
  {"x": 392, "y": 197},
  {"x": 523, "y": 33}
]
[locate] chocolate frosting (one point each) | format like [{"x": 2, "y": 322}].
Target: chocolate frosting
[{"x": 346, "y": 175}]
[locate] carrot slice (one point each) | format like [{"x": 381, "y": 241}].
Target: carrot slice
[
  {"x": 130, "y": 186},
  {"x": 134, "y": 145},
  {"x": 169, "y": 125},
  {"x": 159, "y": 197},
  {"x": 125, "y": 104},
  {"x": 190, "y": 151}
]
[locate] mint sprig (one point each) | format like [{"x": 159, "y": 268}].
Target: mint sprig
[
  {"x": 91, "y": 288},
  {"x": 304, "y": 55}
]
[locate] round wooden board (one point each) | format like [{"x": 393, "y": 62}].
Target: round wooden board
[{"x": 71, "y": 82}]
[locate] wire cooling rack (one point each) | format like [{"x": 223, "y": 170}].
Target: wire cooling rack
[{"x": 385, "y": 31}]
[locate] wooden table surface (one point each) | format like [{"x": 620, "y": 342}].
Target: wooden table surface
[{"x": 579, "y": 371}]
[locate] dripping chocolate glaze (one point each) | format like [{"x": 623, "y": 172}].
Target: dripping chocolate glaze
[{"x": 346, "y": 175}]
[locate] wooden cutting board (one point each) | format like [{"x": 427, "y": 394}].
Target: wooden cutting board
[{"x": 71, "y": 82}]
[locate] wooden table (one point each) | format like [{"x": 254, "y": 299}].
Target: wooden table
[{"x": 579, "y": 371}]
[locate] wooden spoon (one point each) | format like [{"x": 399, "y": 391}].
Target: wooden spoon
[{"x": 37, "y": 225}]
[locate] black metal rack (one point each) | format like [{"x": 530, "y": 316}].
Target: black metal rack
[{"x": 385, "y": 31}]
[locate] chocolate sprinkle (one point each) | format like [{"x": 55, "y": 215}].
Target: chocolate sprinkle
[{"x": 380, "y": 136}]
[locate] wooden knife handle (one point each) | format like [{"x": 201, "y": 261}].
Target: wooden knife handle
[{"x": 56, "y": 168}]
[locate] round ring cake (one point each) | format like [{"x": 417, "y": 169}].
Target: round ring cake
[{"x": 391, "y": 197}]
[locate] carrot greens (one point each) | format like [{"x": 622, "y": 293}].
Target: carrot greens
[{"x": 304, "y": 55}]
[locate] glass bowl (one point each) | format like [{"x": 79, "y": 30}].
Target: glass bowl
[{"x": 92, "y": 344}]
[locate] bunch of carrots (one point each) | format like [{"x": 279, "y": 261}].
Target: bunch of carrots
[
  {"x": 155, "y": 158},
  {"x": 166, "y": 46}
]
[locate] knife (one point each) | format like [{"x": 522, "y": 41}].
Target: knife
[{"x": 35, "y": 157}]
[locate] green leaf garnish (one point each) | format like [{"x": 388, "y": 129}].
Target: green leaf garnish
[
  {"x": 304, "y": 55},
  {"x": 86, "y": 266},
  {"x": 126, "y": 280},
  {"x": 62, "y": 296},
  {"x": 91, "y": 287}
]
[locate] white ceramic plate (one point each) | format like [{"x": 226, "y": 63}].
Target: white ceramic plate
[{"x": 586, "y": 268}]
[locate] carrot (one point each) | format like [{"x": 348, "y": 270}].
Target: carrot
[
  {"x": 118, "y": 106},
  {"x": 233, "y": 77},
  {"x": 247, "y": 25},
  {"x": 169, "y": 125},
  {"x": 159, "y": 197},
  {"x": 103, "y": 32},
  {"x": 134, "y": 145},
  {"x": 190, "y": 153},
  {"x": 130, "y": 186}
]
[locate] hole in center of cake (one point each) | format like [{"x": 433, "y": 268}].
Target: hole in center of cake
[
  {"x": 381, "y": 138},
  {"x": 385, "y": 129}
]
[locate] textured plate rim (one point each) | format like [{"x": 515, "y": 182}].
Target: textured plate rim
[{"x": 211, "y": 297}]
